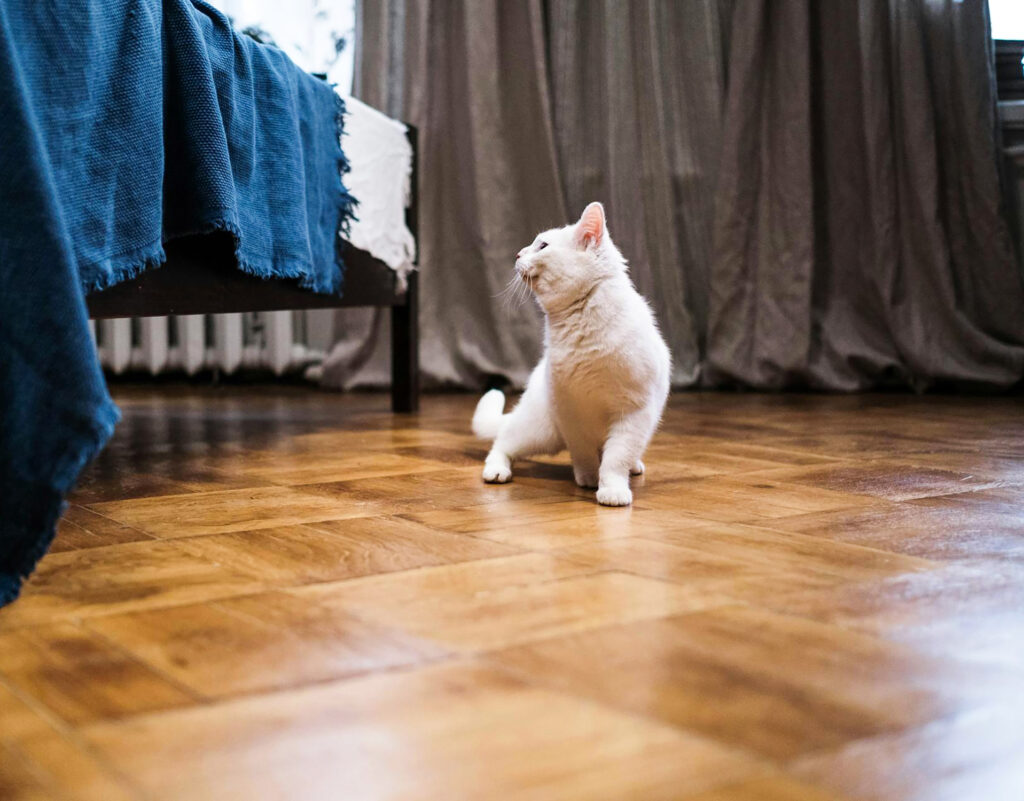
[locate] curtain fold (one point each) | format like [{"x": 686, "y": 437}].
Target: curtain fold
[
  {"x": 859, "y": 237},
  {"x": 475, "y": 83},
  {"x": 807, "y": 192},
  {"x": 633, "y": 135}
]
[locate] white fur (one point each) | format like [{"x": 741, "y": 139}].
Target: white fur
[
  {"x": 487, "y": 417},
  {"x": 600, "y": 388}
]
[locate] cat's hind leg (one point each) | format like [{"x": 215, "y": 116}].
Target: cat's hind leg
[
  {"x": 586, "y": 458},
  {"x": 527, "y": 431},
  {"x": 627, "y": 440}
]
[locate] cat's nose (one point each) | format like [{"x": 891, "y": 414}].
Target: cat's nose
[{"x": 519, "y": 255}]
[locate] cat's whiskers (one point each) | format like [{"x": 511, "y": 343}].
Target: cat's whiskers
[
  {"x": 516, "y": 293},
  {"x": 507, "y": 289},
  {"x": 529, "y": 288},
  {"x": 508, "y": 294}
]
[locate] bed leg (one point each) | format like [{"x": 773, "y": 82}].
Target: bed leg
[
  {"x": 405, "y": 331},
  {"x": 405, "y": 360}
]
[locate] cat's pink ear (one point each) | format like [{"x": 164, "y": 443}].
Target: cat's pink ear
[{"x": 590, "y": 228}]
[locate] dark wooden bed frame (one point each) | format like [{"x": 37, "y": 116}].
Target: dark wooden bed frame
[{"x": 201, "y": 277}]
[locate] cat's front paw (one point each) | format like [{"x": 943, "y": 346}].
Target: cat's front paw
[
  {"x": 637, "y": 469},
  {"x": 497, "y": 473},
  {"x": 614, "y": 495}
]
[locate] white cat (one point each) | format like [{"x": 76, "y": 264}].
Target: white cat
[{"x": 600, "y": 388}]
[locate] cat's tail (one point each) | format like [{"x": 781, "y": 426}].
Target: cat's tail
[{"x": 487, "y": 417}]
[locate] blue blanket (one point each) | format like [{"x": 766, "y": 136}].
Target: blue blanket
[{"x": 126, "y": 123}]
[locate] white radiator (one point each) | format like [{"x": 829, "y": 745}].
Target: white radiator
[{"x": 279, "y": 341}]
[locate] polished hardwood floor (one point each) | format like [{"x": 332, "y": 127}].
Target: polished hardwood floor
[{"x": 275, "y": 593}]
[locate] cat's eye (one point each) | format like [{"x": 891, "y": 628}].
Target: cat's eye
[{"x": 542, "y": 245}]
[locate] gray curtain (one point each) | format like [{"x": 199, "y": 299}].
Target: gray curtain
[
  {"x": 637, "y": 98},
  {"x": 807, "y": 191},
  {"x": 858, "y": 230},
  {"x": 472, "y": 76}
]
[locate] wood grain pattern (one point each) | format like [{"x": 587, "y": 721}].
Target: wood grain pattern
[
  {"x": 263, "y": 593},
  {"x": 773, "y": 684},
  {"x": 493, "y": 608},
  {"x": 975, "y": 755},
  {"x": 39, "y": 760},
  {"x": 231, "y": 510},
  {"x": 715, "y": 498},
  {"x": 83, "y": 677},
  {"x": 970, "y": 611},
  {"x": 962, "y": 526},
  {"x": 772, "y": 788},
  {"x": 899, "y": 481},
  {"x": 784, "y": 552},
  {"x": 537, "y": 523},
  {"x": 117, "y": 578},
  {"x": 332, "y": 550},
  {"x": 310, "y": 468},
  {"x": 81, "y": 528},
  {"x": 453, "y": 731},
  {"x": 258, "y": 643}
]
